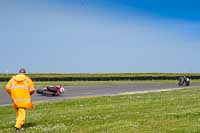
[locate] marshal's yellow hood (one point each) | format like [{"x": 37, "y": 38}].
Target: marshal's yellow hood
[{"x": 19, "y": 77}]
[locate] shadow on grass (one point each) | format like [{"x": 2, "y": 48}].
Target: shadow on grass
[{"x": 29, "y": 124}]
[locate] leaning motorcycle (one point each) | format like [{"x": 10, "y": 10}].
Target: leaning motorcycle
[{"x": 183, "y": 81}]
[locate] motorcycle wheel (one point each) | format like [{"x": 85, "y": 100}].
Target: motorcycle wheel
[
  {"x": 181, "y": 81},
  {"x": 187, "y": 83}
]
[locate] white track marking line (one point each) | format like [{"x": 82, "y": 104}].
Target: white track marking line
[{"x": 151, "y": 91}]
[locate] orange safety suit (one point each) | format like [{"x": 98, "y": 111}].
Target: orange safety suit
[{"x": 20, "y": 88}]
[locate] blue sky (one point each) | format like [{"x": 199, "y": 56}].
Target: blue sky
[{"x": 95, "y": 36}]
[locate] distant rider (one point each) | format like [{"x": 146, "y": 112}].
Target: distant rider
[{"x": 184, "y": 81}]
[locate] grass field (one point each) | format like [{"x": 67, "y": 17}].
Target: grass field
[{"x": 174, "y": 111}]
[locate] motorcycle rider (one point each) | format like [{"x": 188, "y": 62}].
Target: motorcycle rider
[{"x": 184, "y": 81}]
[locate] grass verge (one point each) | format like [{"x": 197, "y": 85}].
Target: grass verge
[{"x": 173, "y": 111}]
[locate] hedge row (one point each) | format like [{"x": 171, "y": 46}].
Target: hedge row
[
  {"x": 100, "y": 75},
  {"x": 103, "y": 78}
]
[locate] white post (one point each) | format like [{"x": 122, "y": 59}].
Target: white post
[{"x": 7, "y": 72}]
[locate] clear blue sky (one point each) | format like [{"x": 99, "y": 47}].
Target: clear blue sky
[{"x": 72, "y": 36}]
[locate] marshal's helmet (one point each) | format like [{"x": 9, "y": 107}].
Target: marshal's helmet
[{"x": 22, "y": 70}]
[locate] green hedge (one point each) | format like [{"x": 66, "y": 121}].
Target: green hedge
[{"x": 104, "y": 76}]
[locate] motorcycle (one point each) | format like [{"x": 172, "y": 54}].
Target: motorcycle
[
  {"x": 51, "y": 90},
  {"x": 183, "y": 81}
]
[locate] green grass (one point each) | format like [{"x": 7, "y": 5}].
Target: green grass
[
  {"x": 80, "y": 83},
  {"x": 174, "y": 111}
]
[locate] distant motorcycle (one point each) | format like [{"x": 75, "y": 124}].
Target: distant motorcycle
[
  {"x": 183, "y": 81},
  {"x": 51, "y": 90}
]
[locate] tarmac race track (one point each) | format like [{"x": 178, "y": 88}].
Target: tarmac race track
[{"x": 96, "y": 90}]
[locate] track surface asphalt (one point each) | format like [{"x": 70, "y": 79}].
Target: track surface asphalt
[{"x": 96, "y": 90}]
